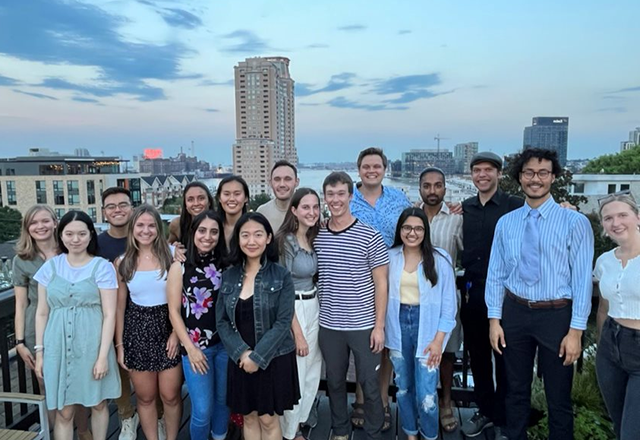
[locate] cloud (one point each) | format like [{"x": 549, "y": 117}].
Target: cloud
[
  {"x": 35, "y": 95},
  {"x": 409, "y": 87},
  {"x": 247, "y": 42},
  {"x": 210, "y": 82},
  {"x": 180, "y": 18},
  {"x": 342, "y": 102},
  {"x": 612, "y": 110},
  {"x": 65, "y": 32},
  {"x": 211, "y": 110},
  {"x": 337, "y": 82},
  {"x": 352, "y": 28},
  {"x": 6, "y": 81},
  {"x": 141, "y": 91},
  {"x": 628, "y": 89},
  {"x": 317, "y": 46},
  {"x": 404, "y": 31},
  {"x": 87, "y": 100}
]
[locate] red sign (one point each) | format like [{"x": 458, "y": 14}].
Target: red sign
[{"x": 152, "y": 153}]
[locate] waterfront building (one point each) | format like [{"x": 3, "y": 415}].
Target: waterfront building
[
  {"x": 265, "y": 122},
  {"x": 173, "y": 165},
  {"x": 462, "y": 153},
  {"x": 414, "y": 161},
  {"x": 548, "y": 132}
]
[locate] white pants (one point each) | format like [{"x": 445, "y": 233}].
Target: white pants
[{"x": 308, "y": 367}]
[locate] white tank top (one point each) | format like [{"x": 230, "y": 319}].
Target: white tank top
[{"x": 147, "y": 289}]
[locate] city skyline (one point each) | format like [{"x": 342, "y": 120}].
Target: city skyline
[{"x": 121, "y": 76}]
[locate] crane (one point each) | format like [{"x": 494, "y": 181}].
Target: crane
[{"x": 438, "y": 138}]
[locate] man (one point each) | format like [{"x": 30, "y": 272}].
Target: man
[
  {"x": 446, "y": 233},
  {"x": 481, "y": 214},
  {"x": 538, "y": 294},
  {"x": 117, "y": 210},
  {"x": 284, "y": 181},
  {"x": 353, "y": 304}
]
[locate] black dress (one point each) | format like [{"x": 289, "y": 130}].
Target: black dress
[{"x": 270, "y": 391}]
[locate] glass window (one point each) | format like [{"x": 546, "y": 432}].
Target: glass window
[
  {"x": 73, "y": 192},
  {"x": 59, "y": 213},
  {"x": 578, "y": 188},
  {"x": 93, "y": 214},
  {"x": 91, "y": 192},
  {"x": 41, "y": 191},
  {"x": 624, "y": 186},
  {"x": 611, "y": 188},
  {"x": 11, "y": 193},
  {"x": 58, "y": 192}
]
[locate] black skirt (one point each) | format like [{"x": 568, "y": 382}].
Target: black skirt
[
  {"x": 146, "y": 331},
  {"x": 270, "y": 391}
]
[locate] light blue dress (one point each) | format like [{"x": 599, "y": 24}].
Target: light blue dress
[{"x": 72, "y": 342}]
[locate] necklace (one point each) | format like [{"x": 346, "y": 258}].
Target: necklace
[{"x": 147, "y": 256}]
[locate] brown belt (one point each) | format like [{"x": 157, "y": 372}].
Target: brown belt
[{"x": 551, "y": 304}]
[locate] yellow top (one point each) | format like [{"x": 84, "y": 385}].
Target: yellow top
[{"x": 409, "y": 291}]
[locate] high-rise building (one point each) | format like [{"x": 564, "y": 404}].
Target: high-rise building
[
  {"x": 414, "y": 161},
  {"x": 265, "y": 123},
  {"x": 634, "y": 140},
  {"x": 463, "y": 153},
  {"x": 548, "y": 132}
]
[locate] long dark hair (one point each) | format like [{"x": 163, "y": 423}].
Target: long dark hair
[
  {"x": 219, "y": 252},
  {"x": 427, "y": 250},
  {"x": 236, "y": 256},
  {"x": 290, "y": 223},
  {"x": 72, "y": 216},
  {"x": 245, "y": 188},
  {"x": 185, "y": 217}
]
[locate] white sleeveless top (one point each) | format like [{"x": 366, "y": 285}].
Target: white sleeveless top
[{"x": 147, "y": 289}]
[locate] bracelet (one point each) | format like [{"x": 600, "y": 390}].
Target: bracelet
[
  {"x": 38, "y": 348},
  {"x": 19, "y": 342}
]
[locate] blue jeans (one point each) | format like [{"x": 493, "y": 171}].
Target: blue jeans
[
  {"x": 618, "y": 369},
  {"x": 417, "y": 384},
  {"x": 208, "y": 393}
]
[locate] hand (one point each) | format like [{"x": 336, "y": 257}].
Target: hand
[
  {"x": 377, "y": 340},
  {"x": 434, "y": 352},
  {"x": 568, "y": 205},
  {"x": 38, "y": 365},
  {"x": 198, "y": 360},
  {"x": 247, "y": 364},
  {"x": 26, "y": 356},
  {"x": 571, "y": 346},
  {"x": 173, "y": 346},
  {"x": 100, "y": 369},
  {"x": 120, "y": 351},
  {"x": 302, "y": 348},
  {"x": 455, "y": 208},
  {"x": 496, "y": 335},
  {"x": 180, "y": 253}
]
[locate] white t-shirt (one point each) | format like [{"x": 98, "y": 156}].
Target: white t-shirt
[
  {"x": 620, "y": 286},
  {"x": 105, "y": 275}
]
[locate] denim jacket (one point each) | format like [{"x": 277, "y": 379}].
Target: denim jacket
[
  {"x": 438, "y": 305},
  {"x": 273, "y": 306}
]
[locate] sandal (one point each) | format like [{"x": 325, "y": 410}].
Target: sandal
[
  {"x": 357, "y": 416},
  {"x": 387, "y": 419},
  {"x": 447, "y": 420}
]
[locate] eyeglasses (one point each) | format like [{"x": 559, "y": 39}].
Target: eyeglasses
[
  {"x": 542, "y": 174},
  {"x": 419, "y": 230},
  {"x": 113, "y": 206},
  {"x": 609, "y": 197}
]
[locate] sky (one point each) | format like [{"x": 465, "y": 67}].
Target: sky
[{"x": 116, "y": 77}]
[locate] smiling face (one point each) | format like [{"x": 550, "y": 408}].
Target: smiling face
[
  {"x": 196, "y": 200},
  {"x": 206, "y": 235},
  {"x": 619, "y": 221},
  {"x": 485, "y": 177},
  {"x": 117, "y": 209},
  {"x": 308, "y": 210},
  {"x": 145, "y": 230},
  {"x": 76, "y": 237},
  {"x": 432, "y": 189},
  {"x": 233, "y": 198},
  {"x": 371, "y": 170},
  {"x": 536, "y": 187},
  {"x": 42, "y": 226},
  {"x": 284, "y": 182},
  {"x": 253, "y": 239},
  {"x": 412, "y": 232},
  {"x": 337, "y": 198}
]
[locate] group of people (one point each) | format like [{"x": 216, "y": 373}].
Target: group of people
[{"x": 245, "y": 306}]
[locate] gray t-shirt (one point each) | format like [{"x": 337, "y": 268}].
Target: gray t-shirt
[
  {"x": 274, "y": 214},
  {"x": 302, "y": 264}
]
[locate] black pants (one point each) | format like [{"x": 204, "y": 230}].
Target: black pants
[
  {"x": 526, "y": 330},
  {"x": 489, "y": 394}
]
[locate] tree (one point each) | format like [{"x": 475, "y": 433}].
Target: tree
[
  {"x": 172, "y": 205},
  {"x": 10, "y": 220},
  {"x": 625, "y": 162},
  {"x": 257, "y": 200}
]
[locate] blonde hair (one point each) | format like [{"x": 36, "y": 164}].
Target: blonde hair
[
  {"x": 624, "y": 198},
  {"x": 26, "y": 247},
  {"x": 159, "y": 247}
]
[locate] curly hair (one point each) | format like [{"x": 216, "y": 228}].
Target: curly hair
[{"x": 534, "y": 153}]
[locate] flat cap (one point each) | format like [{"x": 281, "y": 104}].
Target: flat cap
[{"x": 487, "y": 156}]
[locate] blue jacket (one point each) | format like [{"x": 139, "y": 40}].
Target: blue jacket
[
  {"x": 273, "y": 307},
  {"x": 438, "y": 305}
]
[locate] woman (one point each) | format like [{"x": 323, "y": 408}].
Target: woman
[
  {"x": 295, "y": 241},
  {"x": 420, "y": 316},
  {"x": 146, "y": 344},
  {"x": 196, "y": 198},
  {"x": 233, "y": 201},
  {"x": 192, "y": 290},
  {"x": 254, "y": 314},
  {"x": 75, "y": 321},
  {"x": 618, "y": 355}
]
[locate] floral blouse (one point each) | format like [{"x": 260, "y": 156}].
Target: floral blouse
[{"x": 199, "y": 294}]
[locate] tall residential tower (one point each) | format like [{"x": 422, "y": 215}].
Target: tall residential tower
[
  {"x": 265, "y": 126},
  {"x": 548, "y": 132}
]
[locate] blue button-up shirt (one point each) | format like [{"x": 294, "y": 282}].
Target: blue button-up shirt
[
  {"x": 383, "y": 217},
  {"x": 566, "y": 258}
]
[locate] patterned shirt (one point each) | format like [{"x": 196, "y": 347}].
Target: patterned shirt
[
  {"x": 384, "y": 216},
  {"x": 566, "y": 256},
  {"x": 446, "y": 231}
]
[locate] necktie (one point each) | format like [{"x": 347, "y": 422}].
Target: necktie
[{"x": 530, "y": 252}]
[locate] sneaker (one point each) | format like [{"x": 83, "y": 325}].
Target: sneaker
[
  {"x": 129, "y": 428},
  {"x": 499, "y": 434},
  {"x": 162, "y": 430},
  {"x": 476, "y": 424}
]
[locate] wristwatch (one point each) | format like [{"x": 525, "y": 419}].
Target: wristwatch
[{"x": 19, "y": 341}]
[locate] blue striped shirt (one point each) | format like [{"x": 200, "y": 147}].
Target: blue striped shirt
[{"x": 566, "y": 258}]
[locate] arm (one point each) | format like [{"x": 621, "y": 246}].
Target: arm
[
  {"x": 230, "y": 337},
  {"x": 109, "y": 300},
  {"x": 121, "y": 305},
  {"x": 380, "y": 276},
  {"x": 21, "y": 295},
  {"x": 601, "y": 317},
  {"x": 494, "y": 289},
  {"x": 42, "y": 316},
  {"x": 286, "y": 259},
  {"x": 449, "y": 306},
  {"x": 174, "y": 231}
]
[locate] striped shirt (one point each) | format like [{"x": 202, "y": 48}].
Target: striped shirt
[
  {"x": 566, "y": 258},
  {"x": 346, "y": 289},
  {"x": 446, "y": 231}
]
